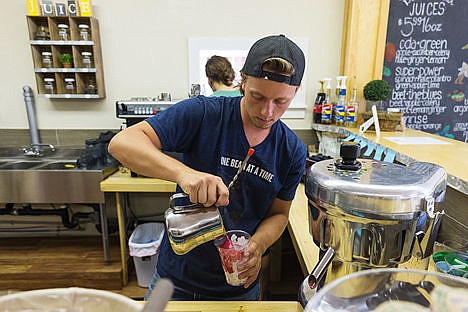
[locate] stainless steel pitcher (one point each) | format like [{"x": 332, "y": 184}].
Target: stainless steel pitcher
[{"x": 191, "y": 225}]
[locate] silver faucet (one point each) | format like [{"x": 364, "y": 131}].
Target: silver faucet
[{"x": 36, "y": 147}]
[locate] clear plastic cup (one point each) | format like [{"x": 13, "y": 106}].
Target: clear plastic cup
[{"x": 232, "y": 248}]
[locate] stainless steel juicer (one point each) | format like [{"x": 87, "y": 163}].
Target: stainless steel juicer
[{"x": 366, "y": 214}]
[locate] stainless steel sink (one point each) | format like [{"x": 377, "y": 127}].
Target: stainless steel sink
[
  {"x": 58, "y": 153},
  {"x": 3, "y": 162},
  {"x": 54, "y": 177},
  {"x": 59, "y": 165},
  {"x": 18, "y": 165},
  {"x": 53, "y": 181}
]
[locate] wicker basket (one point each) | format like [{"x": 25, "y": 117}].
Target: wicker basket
[{"x": 388, "y": 121}]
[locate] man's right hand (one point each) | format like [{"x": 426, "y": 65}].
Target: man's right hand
[{"x": 204, "y": 188}]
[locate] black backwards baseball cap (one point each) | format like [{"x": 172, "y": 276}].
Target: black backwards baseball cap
[{"x": 270, "y": 47}]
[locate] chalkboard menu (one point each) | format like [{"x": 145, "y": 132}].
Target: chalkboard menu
[{"x": 426, "y": 63}]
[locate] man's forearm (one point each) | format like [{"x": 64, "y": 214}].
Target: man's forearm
[{"x": 269, "y": 231}]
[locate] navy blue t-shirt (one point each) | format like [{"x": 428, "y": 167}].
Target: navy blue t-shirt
[{"x": 208, "y": 131}]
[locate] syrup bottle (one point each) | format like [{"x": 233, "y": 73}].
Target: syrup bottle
[
  {"x": 336, "y": 98},
  {"x": 327, "y": 106},
  {"x": 318, "y": 104},
  {"x": 352, "y": 108},
  {"x": 341, "y": 103}
]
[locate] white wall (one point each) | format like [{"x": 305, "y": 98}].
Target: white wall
[{"x": 144, "y": 46}]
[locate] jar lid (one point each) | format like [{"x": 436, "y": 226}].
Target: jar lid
[
  {"x": 49, "y": 79},
  {"x": 62, "y": 26},
  {"x": 46, "y": 53},
  {"x": 69, "y": 79},
  {"x": 83, "y": 26},
  {"x": 86, "y": 53}
]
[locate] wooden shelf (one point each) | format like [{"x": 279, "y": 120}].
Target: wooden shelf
[
  {"x": 64, "y": 70},
  {"x": 60, "y": 42},
  {"x": 83, "y": 74},
  {"x": 70, "y": 96}
]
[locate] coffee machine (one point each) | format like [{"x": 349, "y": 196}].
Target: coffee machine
[{"x": 366, "y": 214}]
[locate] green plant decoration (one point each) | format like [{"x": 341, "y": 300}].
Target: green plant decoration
[
  {"x": 66, "y": 58},
  {"x": 377, "y": 90}
]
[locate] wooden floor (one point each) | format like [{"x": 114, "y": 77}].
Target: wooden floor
[
  {"x": 33, "y": 263},
  {"x": 54, "y": 262}
]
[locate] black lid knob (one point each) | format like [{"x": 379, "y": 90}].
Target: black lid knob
[{"x": 349, "y": 152}]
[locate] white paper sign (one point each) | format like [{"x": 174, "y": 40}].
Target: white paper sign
[{"x": 415, "y": 140}]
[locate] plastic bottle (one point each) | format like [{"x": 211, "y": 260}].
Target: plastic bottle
[
  {"x": 335, "y": 99},
  {"x": 327, "y": 106},
  {"x": 352, "y": 108},
  {"x": 318, "y": 104},
  {"x": 341, "y": 103}
]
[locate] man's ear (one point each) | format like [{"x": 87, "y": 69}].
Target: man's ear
[{"x": 242, "y": 83}]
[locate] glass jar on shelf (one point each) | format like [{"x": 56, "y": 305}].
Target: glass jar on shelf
[
  {"x": 90, "y": 87},
  {"x": 86, "y": 59},
  {"x": 62, "y": 31},
  {"x": 84, "y": 32},
  {"x": 70, "y": 85},
  {"x": 41, "y": 33},
  {"x": 46, "y": 59},
  {"x": 49, "y": 85}
]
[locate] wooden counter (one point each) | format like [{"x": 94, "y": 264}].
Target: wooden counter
[
  {"x": 233, "y": 306},
  {"x": 451, "y": 156},
  {"x": 122, "y": 182},
  {"x": 306, "y": 250}
]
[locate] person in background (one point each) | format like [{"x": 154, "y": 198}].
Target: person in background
[
  {"x": 221, "y": 76},
  {"x": 214, "y": 134}
]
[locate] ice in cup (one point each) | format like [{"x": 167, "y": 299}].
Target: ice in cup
[{"x": 232, "y": 248}]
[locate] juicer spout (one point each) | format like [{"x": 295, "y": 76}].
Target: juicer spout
[
  {"x": 424, "y": 240},
  {"x": 309, "y": 286},
  {"x": 320, "y": 269}
]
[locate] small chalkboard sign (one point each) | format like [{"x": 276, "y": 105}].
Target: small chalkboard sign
[{"x": 426, "y": 63}]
